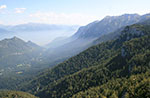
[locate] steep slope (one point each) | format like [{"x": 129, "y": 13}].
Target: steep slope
[
  {"x": 106, "y": 25},
  {"x": 133, "y": 57},
  {"x": 114, "y": 35},
  {"x": 137, "y": 86},
  {"x": 96, "y": 65},
  {"x": 58, "y": 42},
  {"x": 107, "y": 37},
  {"x": 85, "y": 35},
  {"x": 15, "y": 94},
  {"x": 109, "y": 24}
]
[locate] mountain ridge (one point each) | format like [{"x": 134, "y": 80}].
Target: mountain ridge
[{"x": 85, "y": 35}]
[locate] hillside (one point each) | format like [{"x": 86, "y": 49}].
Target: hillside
[
  {"x": 15, "y": 51},
  {"x": 74, "y": 48},
  {"x": 108, "y": 24},
  {"x": 99, "y": 30},
  {"x": 137, "y": 86},
  {"x": 15, "y": 94},
  {"x": 97, "y": 65},
  {"x": 17, "y": 59}
]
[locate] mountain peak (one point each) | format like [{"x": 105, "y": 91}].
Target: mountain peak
[
  {"x": 15, "y": 38},
  {"x": 107, "y": 17}
]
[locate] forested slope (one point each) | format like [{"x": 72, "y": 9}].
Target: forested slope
[
  {"x": 121, "y": 58},
  {"x": 137, "y": 86},
  {"x": 15, "y": 94}
]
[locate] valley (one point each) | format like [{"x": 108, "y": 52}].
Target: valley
[{"x": 107, "y": 58}]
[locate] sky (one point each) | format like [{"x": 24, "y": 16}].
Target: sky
[{"x": 70, "y": 12}]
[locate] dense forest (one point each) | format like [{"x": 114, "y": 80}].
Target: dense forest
[
  {"x": 137, "y": 86},
  {"x": 113, "y": 69}
]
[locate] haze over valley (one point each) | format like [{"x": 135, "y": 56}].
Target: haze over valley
[
  {"x": 74, "y": 49},
  {"x": 41, "y": 34}
]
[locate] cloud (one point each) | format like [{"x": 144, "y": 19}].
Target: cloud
[
  {"x": 62, "y": 18},
  {"x": 3, "y": 7},
  {"x": 20, "y": 10}
]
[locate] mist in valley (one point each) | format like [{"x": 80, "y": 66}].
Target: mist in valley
[
  {"x": 42, "y": 36},
  {"x": 74, "y": 49}
]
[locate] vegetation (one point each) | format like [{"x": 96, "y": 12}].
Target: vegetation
[
  {"x": 117, "y": 68},
  {"x": 15, "y": 94},
  {"x": 99, "y": 66},
  {"x": 137, "y": 86}
]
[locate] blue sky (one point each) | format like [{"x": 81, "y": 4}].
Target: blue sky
[{"x": 78, "y": 12}]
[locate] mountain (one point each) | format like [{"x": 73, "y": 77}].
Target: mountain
[
  {"x": 117, "y": 33},
  {"x": 15, "y": 94},
  {"x": 109, "y": 24},
  {"x": 13, "y": 45},
  {"x": 16, "y": 51},
  {"x": 120, "y": 58},
  {"x": 106, "y": 25},
  {"x": 104, "y": 30},
  {"x": 18, "y": 61}
]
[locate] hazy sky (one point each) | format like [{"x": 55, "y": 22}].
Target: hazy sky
[{"x": 78, "y": 12}]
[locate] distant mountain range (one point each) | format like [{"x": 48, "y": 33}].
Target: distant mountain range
[
  {"x": 37, "y": 27},
  {"x": 3, "y": 31}
]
